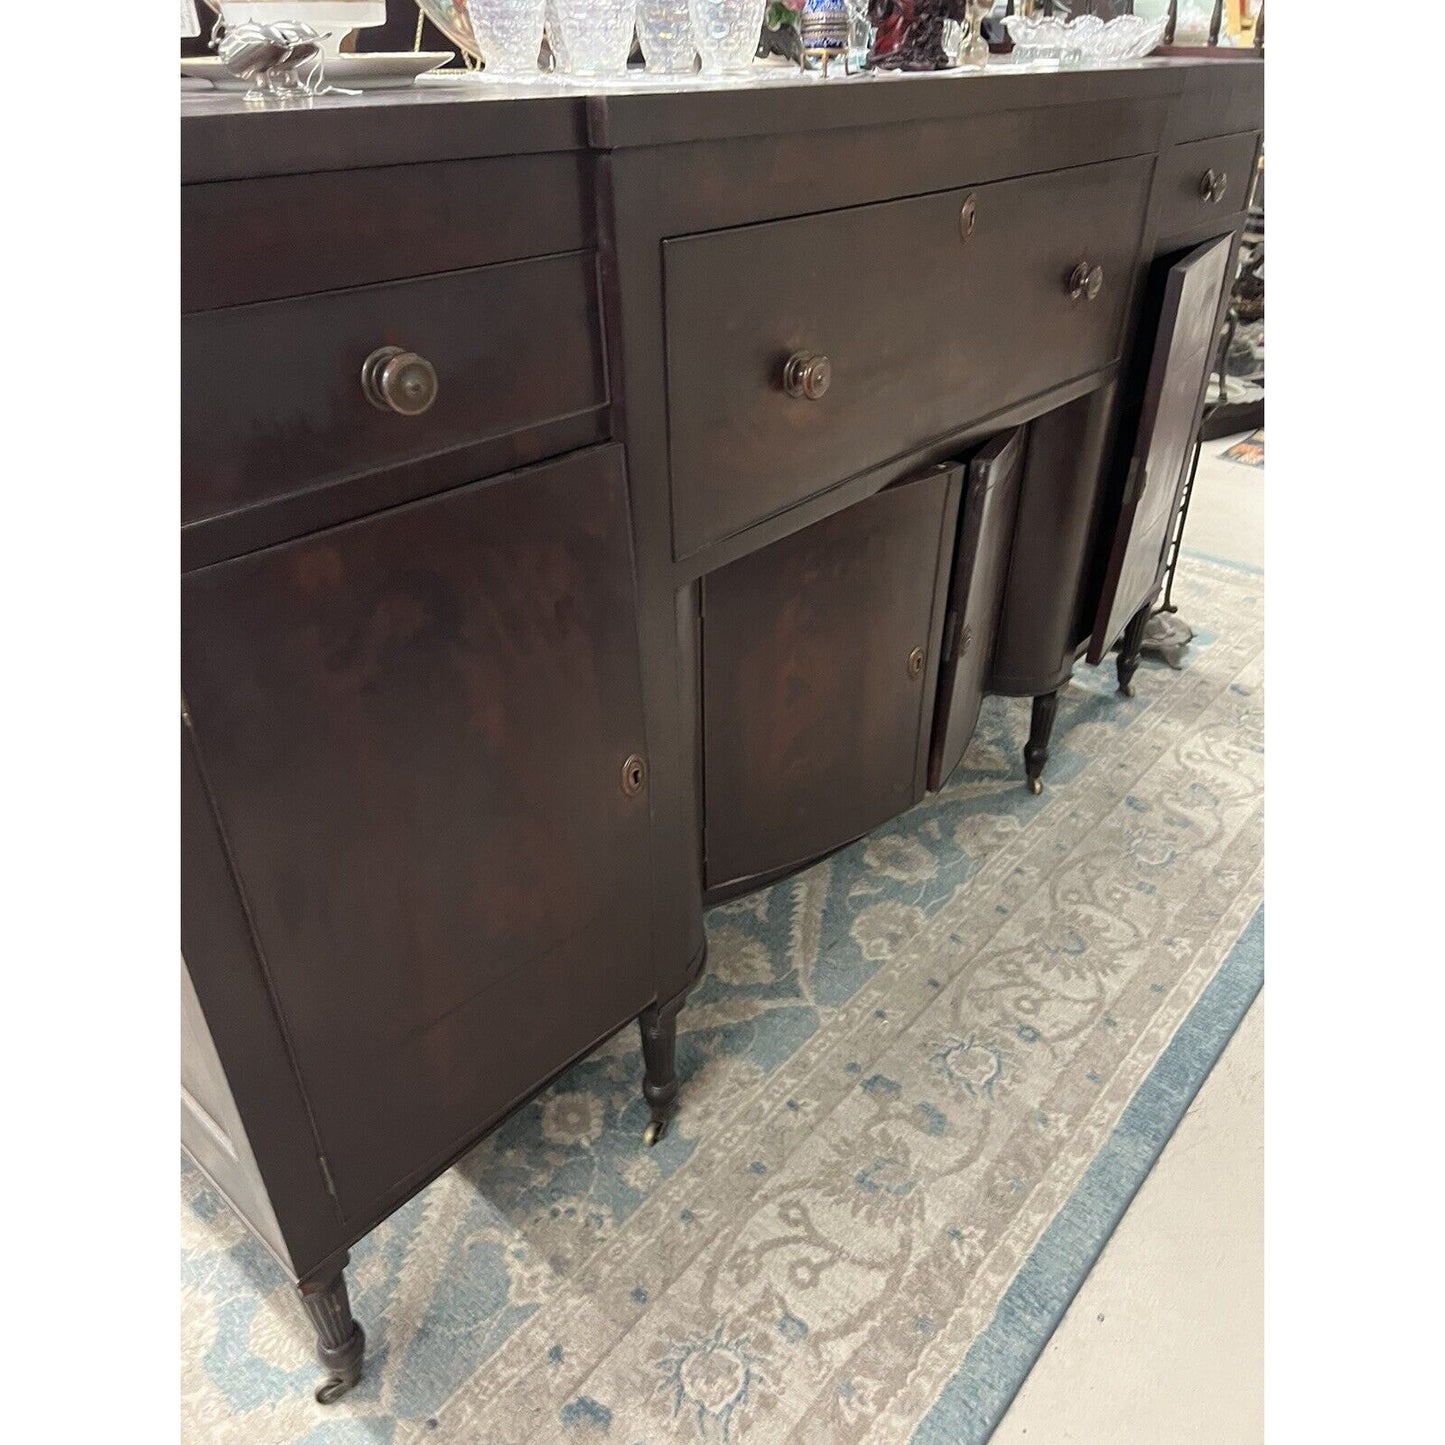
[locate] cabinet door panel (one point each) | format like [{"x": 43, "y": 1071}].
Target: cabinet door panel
[
  {"x": 980, "y": 571},
  {"x": 414, "y": 727},
  {"x": 1177, "y": 374},
  {"x": 815, "y": 720}
]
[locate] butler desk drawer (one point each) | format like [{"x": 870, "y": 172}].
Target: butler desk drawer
[{"x": 804, "y": 351}]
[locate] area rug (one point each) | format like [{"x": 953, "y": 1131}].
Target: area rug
[
  {"x": 920, "y": 1083},
  {"x": 1248, "y": 452}
]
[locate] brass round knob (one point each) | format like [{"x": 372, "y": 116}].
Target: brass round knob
[
  {"x": 399, "y": 381},
  {"x": 1085, "y": 281},
  {"x": 808, "y": 374},
  {"x": 915, "y": 662},
  {"x": 967, "y": 216},
  {"x": 1212, "y": 184}
]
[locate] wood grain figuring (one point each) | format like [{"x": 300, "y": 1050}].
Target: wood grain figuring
[
  {"x": 1182, "y": 356},
  {"x": 1061, "y": 494},
  {"x": 980, "y": 573},
  {"x": 415, "y": 727},
  {"x": 273, "y": 402},
  {"x": 918, "y": 357},
  {"x": 814, "y": 723}
]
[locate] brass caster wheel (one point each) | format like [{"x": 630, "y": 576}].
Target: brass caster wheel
[
  {"x": 654, "y": 1132},
  {"x": 1036, "y": 786},
  {"x": 329, "y": 1391}
]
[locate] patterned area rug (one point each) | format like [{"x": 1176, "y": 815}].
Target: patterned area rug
[{"x": 920, "y": 1082}]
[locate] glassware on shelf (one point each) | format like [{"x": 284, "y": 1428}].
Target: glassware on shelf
[
  {"x": 556, "y": 40},
  {"x": 508, "y": 34},
  {"x": 598, "y": 35},
  {"x": 727, "y": 33},
  {"x": 664, "y": 30},
  {"x": 1084, "y": 40}
]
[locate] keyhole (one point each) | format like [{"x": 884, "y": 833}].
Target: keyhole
[{"x": 634, "y": 774}]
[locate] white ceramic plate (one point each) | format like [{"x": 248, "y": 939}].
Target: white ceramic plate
[{"x": 382, "y": 71}]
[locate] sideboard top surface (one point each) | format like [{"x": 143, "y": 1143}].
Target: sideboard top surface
[{"x": 223, "y": 138}]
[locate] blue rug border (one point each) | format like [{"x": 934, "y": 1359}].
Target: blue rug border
[
  {"x": 972, "y": 1403},
  {"x": 1251, "y": 568}
]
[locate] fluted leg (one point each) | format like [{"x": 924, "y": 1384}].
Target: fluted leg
[
  {"x": 1129, "y": 646},
  {"x": 340, "y": 1341},
  {"x": 1041, "y": 727},
  {"x": 659, "y": 1059}
]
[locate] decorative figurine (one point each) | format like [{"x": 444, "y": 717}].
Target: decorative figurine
[
  {"x": 782, "y": 22},
  {"x": 824, "y": 29},
  {"x": 910, "y": 33},
  {"x": 975, "y": 51}
]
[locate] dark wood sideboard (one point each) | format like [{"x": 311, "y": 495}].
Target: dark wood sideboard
[{"x": 596, "y": 506}]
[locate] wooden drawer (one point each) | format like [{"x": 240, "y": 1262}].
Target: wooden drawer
[
  {"x": 926, "y": 331},
  {"x": 272, "y": 400},
  {"x": 260, "y": 240},
  {"x": 1203, "y": 180}
]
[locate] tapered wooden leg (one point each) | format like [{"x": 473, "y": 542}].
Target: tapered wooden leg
[
  {"x": 1041, "y": 727},
  {"x": 659, "y": 1059},
  {"x": 340, "y": 1341},
  {"x": 1129, "y": 646}
]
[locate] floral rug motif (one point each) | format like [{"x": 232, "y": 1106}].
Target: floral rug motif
[{"x": 899, "y": 1068}]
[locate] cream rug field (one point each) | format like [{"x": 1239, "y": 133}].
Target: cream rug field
[{"x": 915, "y": 1085}]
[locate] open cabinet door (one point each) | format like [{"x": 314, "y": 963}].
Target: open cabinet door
[
  {"x": 980, "y": 570},
  {"x": 1180, "y": 367}
]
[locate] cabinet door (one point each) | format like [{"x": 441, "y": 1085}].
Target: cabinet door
[
  {"x": 980, "y": 571},
  {"x": 819, "y": 668},
  {"x": 414, "y": 727},
  {"x": 1183, "y": 350}
]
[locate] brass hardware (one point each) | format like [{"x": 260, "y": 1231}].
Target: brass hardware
[
  {"x": 1085, "y": 282},
  {"x": 1212, "y": 184},
  {"x": 634, "y": 775},
  {"x": 807, "y": 374},
  {"x": 399, "y": 381},
  {"x": 915, "y": 662},
  {"x": 964, "y": 638},
  {"x": 967, "y": 216}
]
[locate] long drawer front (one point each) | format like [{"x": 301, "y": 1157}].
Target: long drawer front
[{"x": 902, "y": 321}]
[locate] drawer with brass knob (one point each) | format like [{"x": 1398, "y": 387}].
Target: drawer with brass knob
[
  {"x": 1206, "y": 181},
  {"x": 297, "y": 398},
  {"x": 891, "y": 325}
]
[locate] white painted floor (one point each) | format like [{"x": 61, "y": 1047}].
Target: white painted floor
[{"x": 1164, "y": 1344}]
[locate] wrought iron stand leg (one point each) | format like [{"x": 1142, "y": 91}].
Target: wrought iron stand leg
[
  {"x": 1041, "y": 727},
  {"x": 659, "y": 1060},
  {"x": 340, "y": 1341},
  {"x": 1129, "y": 650}
]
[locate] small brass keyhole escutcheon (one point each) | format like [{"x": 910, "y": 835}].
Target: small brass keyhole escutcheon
[
  {"x": 915, "y": 662},
  {"x": 967, "y": 216},
  {"x": 634, "y": 775}
]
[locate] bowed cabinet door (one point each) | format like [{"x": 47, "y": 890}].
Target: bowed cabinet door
[
  {"x": 975, "y": 600},
  {"x": 1183, "y": 351},
  {"x": 414, "y": 727},
  {"x": 819, "y": 669}
]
